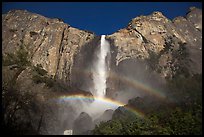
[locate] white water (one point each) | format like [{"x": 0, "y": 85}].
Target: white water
[
  {"x": 100, "y": 74},
  {"x": 100, "y": 66}
]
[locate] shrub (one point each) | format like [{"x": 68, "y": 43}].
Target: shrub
[
  {"x": 20, "y": 59},
  {"x": 40, "y": 70}
]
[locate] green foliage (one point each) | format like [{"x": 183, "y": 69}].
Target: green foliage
[
  {"x": 40, "y": 70},
  {"x": 181, "y": 53},
  {"x": 153, "y": 60},
  {"x": 184, "y": 123},
  {"x": 49, "y": 81},
  {"x": 131, "y": 127},
  {"x": 186, "y": 89},
  {"x": 123, "y": 113},
  {"x": 168, "y": 45},
  {"x": 40, "y": 76},
  {"x": 39, "y": 79},
  {"x": 15, "y": 107},
  {"x": 113, "y": 127},
  {"x": 8, "y": 59},
  {"x": 19, "y": 59},
  {"x": 184, "y": 117},
  {"x": 179, "y": 122}
]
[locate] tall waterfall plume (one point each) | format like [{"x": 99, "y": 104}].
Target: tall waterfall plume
[{"x": 101, "y": 68}]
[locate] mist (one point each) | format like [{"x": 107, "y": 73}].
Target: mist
[
  {"x": 129, "y": 80},
  {"x": 134, "y": 77},
  {"x": 100, "y": 69},
  {"x": 79, "y": 110}
]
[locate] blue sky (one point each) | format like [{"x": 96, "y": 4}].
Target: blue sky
[{"x": 101, "y": 17}]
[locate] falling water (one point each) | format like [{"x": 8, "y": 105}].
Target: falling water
[{"x": 100, "y": 72}]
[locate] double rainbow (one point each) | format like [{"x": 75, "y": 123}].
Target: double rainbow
[{"x": 136, "y": 84}]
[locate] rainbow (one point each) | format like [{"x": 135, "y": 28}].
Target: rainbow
[
  {"x": 137, "y": 112},
  {"x": 136, "y": 84}
]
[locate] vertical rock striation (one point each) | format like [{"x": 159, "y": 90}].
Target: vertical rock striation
[
  {"x": 50, "y": 42},
  {"x": 155, "y": 35},
  {"x": 167, "y": 47}
]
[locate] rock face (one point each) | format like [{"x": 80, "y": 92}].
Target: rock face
[
  {"x": 54, "y": 44},
  {"x": 154, "y": 34},
  {"x": 82, "y": 124},
  {"x": 107, "y": 115},
  {"x": 166, "y": 47},
  {"x": 153, "y": 47},
  {"x": 50, "y": 42}
]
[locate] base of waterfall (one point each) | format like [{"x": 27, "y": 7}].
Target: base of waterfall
[
  {"x": 90, "y": 113},
  {"x": 91, "y": 109},
  {"x": 99, "y": 106}
]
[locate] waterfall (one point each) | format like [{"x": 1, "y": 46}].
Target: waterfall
[
  {"x": 100, "y": 73},
  {"x": 100, "y": 68}
]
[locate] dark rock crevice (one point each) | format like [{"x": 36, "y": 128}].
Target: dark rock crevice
[
  {"x": 60, "y": 51},
  {"x": 38, "y": 47}
]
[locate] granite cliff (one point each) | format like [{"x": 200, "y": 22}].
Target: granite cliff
[
  {"x": 54, "y": 44},
  {"x": 47, "y": 57},
  {"x": 50, "y": 42}
]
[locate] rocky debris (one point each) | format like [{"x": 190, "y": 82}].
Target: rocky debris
[
  {"x": 122, "y": 112},
  {"x": 144, "y": 104},
  {"x": 107, "y": 115},
  {"x": 83, "y": 124}
]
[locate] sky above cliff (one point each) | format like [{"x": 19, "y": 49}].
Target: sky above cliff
[{"x": 101, "y": 17}]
